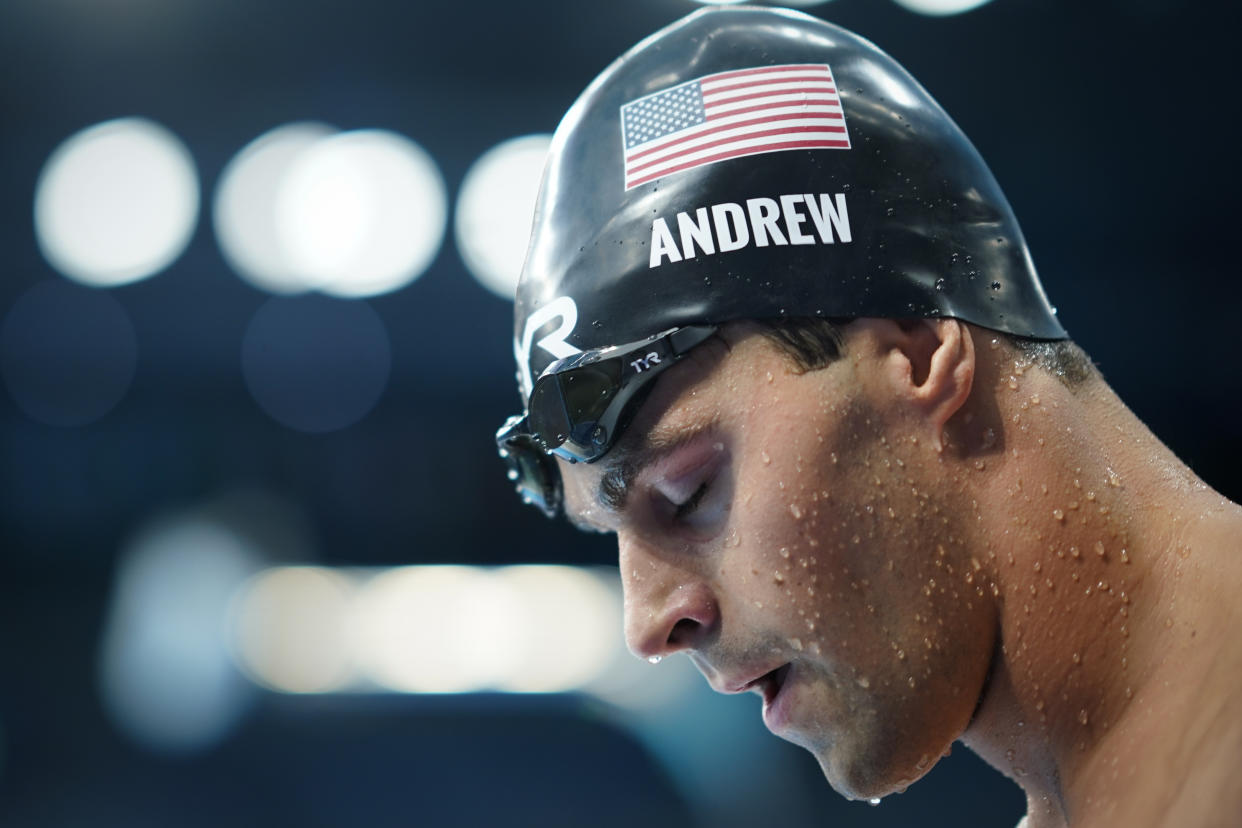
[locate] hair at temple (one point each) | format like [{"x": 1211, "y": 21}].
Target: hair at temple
[{"x": 814, "y": 342}]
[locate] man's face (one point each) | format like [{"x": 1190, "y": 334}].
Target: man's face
[{"x": 795, "y": 536}]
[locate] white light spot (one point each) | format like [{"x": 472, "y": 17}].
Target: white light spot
[
  {"x": 566, "y": 625},
  {"x": 795, "y": 4},
  {"x": 289, "y": 629},
  {"x": 244, "y": 210},
  {"x": 361, "y": 213},
  {"x": 496, "y": 208},
  {"x": 941, "y": 8},
  {"x": 316, "y": 364},
  {"x": 437, "y": 629},
  {"x": 67, "y": 353},
  {"x": 116, "y": 202},
  {"x": 165, "y": 671},
  {"x": 445, "y": 629}
]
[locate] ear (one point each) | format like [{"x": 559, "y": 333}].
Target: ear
[{"x": 930, "y": 363}]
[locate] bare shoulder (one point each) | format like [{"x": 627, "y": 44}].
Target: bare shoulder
[
  {"x": 1210, "y": 750},
  {"x": 1187, "y": 758}
]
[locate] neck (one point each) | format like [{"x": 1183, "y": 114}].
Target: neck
[{"x": 1099, "y": 544}]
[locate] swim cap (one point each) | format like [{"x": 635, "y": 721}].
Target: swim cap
[{"x": 751, "y": 163}]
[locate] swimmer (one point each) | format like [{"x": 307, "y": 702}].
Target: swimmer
[{"x": 779, "y": 332}]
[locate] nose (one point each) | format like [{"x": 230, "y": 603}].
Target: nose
[{"x": 668, "y": 607}]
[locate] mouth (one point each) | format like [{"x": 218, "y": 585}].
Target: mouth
[{"x": 770, "y": 686}]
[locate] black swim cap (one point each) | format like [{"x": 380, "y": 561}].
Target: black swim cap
[{"x": 751, "y": 163}]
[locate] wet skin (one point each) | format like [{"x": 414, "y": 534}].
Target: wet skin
[
  {"x": 794, "y": 535},
  {"x": 930, "y": 539}
]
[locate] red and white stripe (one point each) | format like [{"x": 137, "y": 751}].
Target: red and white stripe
[{"x": 748, "y": 112}]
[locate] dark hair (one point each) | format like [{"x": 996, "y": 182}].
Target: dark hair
[{"x": 814, "y": 342}]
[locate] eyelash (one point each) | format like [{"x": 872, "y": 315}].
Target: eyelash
[{"x": 686, "y": 509}]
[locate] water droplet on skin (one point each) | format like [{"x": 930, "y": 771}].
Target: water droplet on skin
[
  {"x": 784, "y": 552},
  {"x": 766, "y": 458},
  {"x": 1074, "y": 552},
  {"x": 1082, "y": 716},
  {"x": 796, "y": 643},
  {"x": 1099, "y": 549},
  {"x": 1058, "y": 514},
  {"x": 1009, "y": 754},
  {"x": 989, "y": 439},
  {"x": 1113, "y": 479},
  {"x": 1125, "y": 558},
  {"x": 778, "y": 577},
  {"x": 655, "y": 659},
  {"x": 796, "y": 511},
  {"x": 1077, "y": 658}
]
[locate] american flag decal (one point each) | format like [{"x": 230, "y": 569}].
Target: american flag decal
[{"x": 729, "y": 115}]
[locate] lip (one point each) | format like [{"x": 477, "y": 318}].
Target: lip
[{"x": 776, "y": 698}]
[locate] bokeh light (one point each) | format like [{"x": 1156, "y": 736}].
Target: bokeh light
[
  {"x": 361, "y": 213},
  {"x": 569, "y": 617},
  {"x": 116, "y": 202},
  {"x": 443, "y": 629},
  {"x": 316, "y": 364},
  {"x": 941, "y": 8},
  {"x": 166, "y": 674},
  {"x": 244, "y": 210},
  {"x": 436, "y": 629},
  {"x": 67, "y": 353},
  {"x": 793, "y": 4},
  {"x": 289, "y": 629},
  {"x": 496, "y": 208}
]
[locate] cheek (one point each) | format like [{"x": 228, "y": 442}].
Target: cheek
[{"x": 861, "y": 561}]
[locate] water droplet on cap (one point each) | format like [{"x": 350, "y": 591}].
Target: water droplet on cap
[{"x": 655, "y": 659}]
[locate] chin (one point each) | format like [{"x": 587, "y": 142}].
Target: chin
[{"x": 867, "y": 774}]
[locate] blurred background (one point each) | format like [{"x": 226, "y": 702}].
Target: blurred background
[{"x": 255, "y": 341}]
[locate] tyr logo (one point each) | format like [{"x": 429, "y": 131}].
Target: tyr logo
[
  {"x": 562, "y": 308},
  {"x": 643, "y": 363}
]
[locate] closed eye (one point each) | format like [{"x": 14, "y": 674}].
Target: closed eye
[{"x": 686, "y": 509}]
